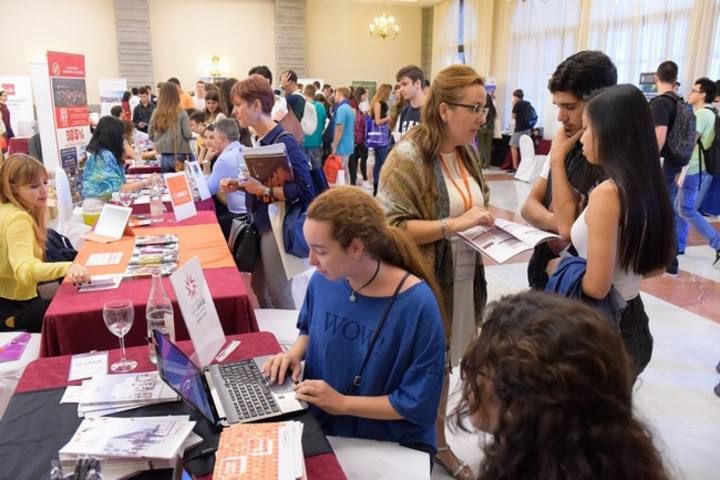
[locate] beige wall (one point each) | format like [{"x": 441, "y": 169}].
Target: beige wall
[
  {"x": 339, "y": 47},
  {"x": 32, "y": 27},
  {"x": 186, "y": 34}
]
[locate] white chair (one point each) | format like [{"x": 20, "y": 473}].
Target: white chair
[
  {"x": 67, "y": 225},
  {"x": 281, "y": 323},
  {"x": 10, "y": 372},
  {"x": 530, "y": 164}
]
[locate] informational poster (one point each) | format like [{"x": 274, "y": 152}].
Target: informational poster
[
  {"x": 111, "y": 92},
  {"x": 20, "y": 103},
  {"x": 180, "y": 195},
  {"x": 66, "y": 72}
]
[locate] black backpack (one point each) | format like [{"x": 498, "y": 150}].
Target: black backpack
[
  {"x": 710, "y": 156},
  {"x": 680, "y": 140},
  {"x": 58, "y": 248},
  {"x": 532, "y": 116}
]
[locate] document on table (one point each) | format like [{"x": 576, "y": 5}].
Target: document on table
[
  {"x": 88, "y": 365},
  {"x": 101, "y": 282},
  {"x": 73, "y": 394},
  {"x": 101, "y": 259}
]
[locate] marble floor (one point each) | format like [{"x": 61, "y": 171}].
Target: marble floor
[{"x": 674, "y": 394}]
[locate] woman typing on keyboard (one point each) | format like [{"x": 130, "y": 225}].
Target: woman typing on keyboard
[{"x": 371, "y": 331}]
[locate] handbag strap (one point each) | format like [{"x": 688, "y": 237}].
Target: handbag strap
[{"x": 357, "y": 379}]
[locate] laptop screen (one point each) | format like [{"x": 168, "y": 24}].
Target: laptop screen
[{"x": 182, "y": 375}]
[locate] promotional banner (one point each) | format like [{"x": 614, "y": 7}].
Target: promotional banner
[
  {"x": 20, "y": 103},
  {"x": 66, "y": 72},
  {"x": 111, "y": 92}
]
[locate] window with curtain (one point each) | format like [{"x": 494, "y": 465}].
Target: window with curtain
[
  {"x": 543, "y": 35},
  {"x": 641, "y": 34},
  {"x": 714, "y": 72}
]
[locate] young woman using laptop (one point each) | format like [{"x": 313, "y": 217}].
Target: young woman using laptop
[{"x": 371, "y": 330}]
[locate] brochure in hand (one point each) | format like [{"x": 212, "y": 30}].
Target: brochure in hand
[
  {"x": 506, "y": 240},
  {"x": 269, "y": 164}
]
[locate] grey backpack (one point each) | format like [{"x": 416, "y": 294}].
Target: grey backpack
[{"x": 680, "y": 138}]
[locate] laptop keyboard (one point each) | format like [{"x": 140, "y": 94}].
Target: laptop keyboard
[{"x": 249, "y": 390}]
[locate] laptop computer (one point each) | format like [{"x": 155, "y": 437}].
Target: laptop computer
[{"x": 224, "y": 393}]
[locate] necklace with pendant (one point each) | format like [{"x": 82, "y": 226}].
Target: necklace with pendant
[{"x": 353, "y": 298}]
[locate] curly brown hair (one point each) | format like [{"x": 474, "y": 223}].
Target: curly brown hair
[
  {"x": 353, "y": 214},
  {"x": 557, "y": 377}
]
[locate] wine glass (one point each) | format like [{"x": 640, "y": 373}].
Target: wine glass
[
  {"x": 126, "y": 198},
  {"x": 119, "y": 316}
]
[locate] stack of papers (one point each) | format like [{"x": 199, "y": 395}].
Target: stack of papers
[
  {"x": 107, "y": 394},
  {"x": 153, "y": 252},
  {"x": 261, "y": 450},
  {"x": 129, "y": 445}
]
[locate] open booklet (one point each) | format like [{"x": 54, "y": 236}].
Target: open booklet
[
  {"x": 269, "y": 164},
  {"x": 505, "y": 240}
]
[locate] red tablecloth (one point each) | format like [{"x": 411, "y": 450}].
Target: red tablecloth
[
  {"x": 200, "y": 206},
  {"x": 46, "y": 373},
  {"x": 73, "y": 323},
  {"x": 133, "y": 169},
  {"x": 18, "y": 145}
]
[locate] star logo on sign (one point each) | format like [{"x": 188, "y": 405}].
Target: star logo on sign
[
  {"x": 191, "y": 287},
  {"x": 56, "y": 68}
]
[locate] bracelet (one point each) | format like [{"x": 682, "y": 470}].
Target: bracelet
[{"x": 444, "y": 228}]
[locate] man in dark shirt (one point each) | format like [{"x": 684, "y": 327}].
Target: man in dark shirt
[
  {"x": 663, "y": 109},
  {"x": 521, "y": 114},
  {"x": 573, "y": 82},
  {"x": 143, "y": 111},
  {"x": 411, "y": 79},
  {"x": 293, "y": 95}
]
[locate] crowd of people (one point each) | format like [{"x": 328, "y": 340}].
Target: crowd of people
[{"x": 397, "y": 300}]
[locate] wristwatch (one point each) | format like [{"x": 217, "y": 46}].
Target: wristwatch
[{"x": 268, "y": 192}]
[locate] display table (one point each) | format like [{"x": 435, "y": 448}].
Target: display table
[
  {"x": 73, "y": 323},
  {"x": 143, "y": 169},
  {"x": 10, "y": 372},
  {"x": 143, "y": 207},
  {"x": 36, "y": 426}
]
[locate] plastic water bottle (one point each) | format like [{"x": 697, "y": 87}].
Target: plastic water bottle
[
  {"x": 159, "y": 313},
  {"x": 156, "y": 205}
]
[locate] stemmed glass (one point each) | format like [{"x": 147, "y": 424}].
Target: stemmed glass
[
  {"x": 119, "y": 316},
  {"x": 126, "y": 198}
]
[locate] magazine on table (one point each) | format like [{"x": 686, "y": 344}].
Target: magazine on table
[
  {"x": 127, "y": 388},
  {"x": 505, "y": 240},
  {"x": 138, "y": 271},
  {"x": 145, "y": 240},
  {"x": 269, "y": 164},
  {"x": 262, "y": 450},
  {"x": 159, "y": 438}
]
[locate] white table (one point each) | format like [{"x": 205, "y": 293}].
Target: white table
[
  {"x": 361, "y": 459},
  {"x": 10, "y": 372}
]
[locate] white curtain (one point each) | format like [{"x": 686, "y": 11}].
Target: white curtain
[
  {"x": 445, "y": 35},
  {"x": 640, "y": 34},
  {"x": 543, "y": 35},
  {"x": 478, "y": 34}
]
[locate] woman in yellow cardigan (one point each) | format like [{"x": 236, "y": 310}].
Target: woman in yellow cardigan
[{"x": 23, "y": 232}]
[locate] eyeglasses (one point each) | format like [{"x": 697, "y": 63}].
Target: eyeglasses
[{"x": 476, "y": 108}]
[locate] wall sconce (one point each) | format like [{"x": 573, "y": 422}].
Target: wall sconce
[{"x": 218, "y": 67}]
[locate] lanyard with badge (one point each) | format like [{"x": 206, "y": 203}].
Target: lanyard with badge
[{"x": 464, "y": 256}]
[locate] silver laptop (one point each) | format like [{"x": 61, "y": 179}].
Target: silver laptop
[{"x": 227, "y": 393}]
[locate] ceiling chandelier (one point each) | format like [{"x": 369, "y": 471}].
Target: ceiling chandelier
[{"x": 383, "y": 27}]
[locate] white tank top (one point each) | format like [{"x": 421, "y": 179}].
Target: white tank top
[{"x": 626, "y": 283}]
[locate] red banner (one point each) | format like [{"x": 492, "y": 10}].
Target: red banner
[{"x": 69, "y": 95}]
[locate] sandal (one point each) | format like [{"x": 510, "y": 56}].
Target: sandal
[{"x": 462, "y": 467}]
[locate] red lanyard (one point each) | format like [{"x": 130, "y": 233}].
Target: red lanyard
[{"x": 467, "y": 200}]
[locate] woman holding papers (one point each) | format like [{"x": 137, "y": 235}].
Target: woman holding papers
[
  {"x": 254, "y": 99},
  {"x": 550, "y": 380},
  {"x": 626, "y": 231},
  {"x": 371, "y": 330},
  {"x": 432, "y": 186},
  {"x": 104, "y": 172},
  {"x": 23, "y": 233}
]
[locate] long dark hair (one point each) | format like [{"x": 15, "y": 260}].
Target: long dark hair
[
  {"x": 627, "y": 151},
  {"x": 551, "y": 380},
  {"x": 108, "y": 135},
  {"x": 226, "y": 98}
]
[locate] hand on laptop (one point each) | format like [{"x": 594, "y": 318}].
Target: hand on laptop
[
  {"x": 322, "y": 395},
  {"x": 276, "y": 368}
]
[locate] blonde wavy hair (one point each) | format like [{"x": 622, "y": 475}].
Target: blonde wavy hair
[
  {"x": 19, "y": 170},
  {"x": 447, "y": 87}
]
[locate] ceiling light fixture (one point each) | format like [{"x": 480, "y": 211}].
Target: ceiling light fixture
[{"x": 384, "y": 26}]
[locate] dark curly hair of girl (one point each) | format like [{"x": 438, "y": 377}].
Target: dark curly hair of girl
[{"x": 549, "y": 378}]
